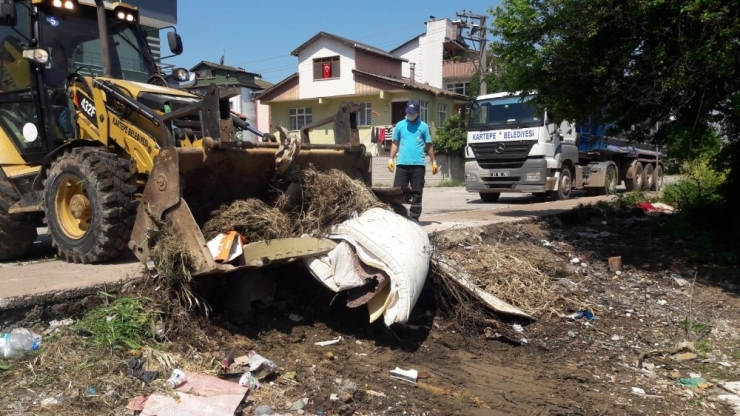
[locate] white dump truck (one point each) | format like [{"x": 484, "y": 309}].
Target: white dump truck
[{"x": 513, "y": 148}]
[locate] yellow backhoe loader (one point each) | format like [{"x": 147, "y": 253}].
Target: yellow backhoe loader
[{"x": 96, "y": 144}]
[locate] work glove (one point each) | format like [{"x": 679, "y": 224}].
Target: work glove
[
  {"x": 435, "y": 168},
  {"x": 391, "y": 166}
]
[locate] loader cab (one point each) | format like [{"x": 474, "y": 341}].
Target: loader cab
[{"x": 58, "y": 38}]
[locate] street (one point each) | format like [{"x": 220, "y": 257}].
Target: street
[{"x": 444, "y": 208}]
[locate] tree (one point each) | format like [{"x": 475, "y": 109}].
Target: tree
[
  {"x": 451, "y": 138},
  {"x": 632, "y": 63}
]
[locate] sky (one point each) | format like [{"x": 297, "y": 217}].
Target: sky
[{"x": 258, "y": 35}]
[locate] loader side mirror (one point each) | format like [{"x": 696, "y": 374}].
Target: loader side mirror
[
  {"x": 175, "y": 42},
  {"x": 7, "y": 13}
]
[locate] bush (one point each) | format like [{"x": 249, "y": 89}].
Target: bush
[
  {"x": 699, "y": 185},
  {"x": 451, "y": 137}
]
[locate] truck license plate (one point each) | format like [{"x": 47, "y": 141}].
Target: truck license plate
[{"x": 499, "y": 173}]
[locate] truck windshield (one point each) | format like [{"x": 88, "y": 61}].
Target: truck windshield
[
  {"x": 74, "y": 42},
  {"x": 503, "y": 112}
]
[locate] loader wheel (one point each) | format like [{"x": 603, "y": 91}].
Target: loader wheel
[
  {"x": 90, "y": 209},
  {"x": 648, "y": 173},
  {"x": 17, "y": 231}
]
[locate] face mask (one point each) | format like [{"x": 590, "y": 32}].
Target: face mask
[{"x": 411, "y": 117}]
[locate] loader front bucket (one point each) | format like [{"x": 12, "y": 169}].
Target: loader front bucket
[{"x": 187, "y": 183}]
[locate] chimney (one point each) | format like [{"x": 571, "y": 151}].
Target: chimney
[{"x": 412, "y": 69}]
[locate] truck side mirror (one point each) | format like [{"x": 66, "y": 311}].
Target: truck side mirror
[
  {"x": 7, "y": 13},
  {"x": 175, "y": 42}
]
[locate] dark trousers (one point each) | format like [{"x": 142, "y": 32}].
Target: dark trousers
[{"x": 413, "y": 175}]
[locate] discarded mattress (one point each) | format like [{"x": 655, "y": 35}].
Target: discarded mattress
[{"x": 383, "y": 240}]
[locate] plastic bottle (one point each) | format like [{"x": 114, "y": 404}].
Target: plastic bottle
[{"x": 18, "y": 341}]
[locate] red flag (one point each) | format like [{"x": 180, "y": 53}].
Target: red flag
[{"x": 326, "y": 69}]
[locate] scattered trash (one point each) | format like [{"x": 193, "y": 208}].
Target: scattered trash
[
  {"x": 136, "y": 369},
  {"x": 725, "y": 364},
  {"x": 334, "y": 397},
  {"x": 263, "y": 410},
  {"x": 615, "y": 263},
  {"x": 226, "y": 247},
  {"x": 159, "y": 331},
  {"x": 662, "y": 302},
  {"x": 295, "y": 317},
  {"x": 55, "y": 325},
  {"x": 136, "y": 404},
  {"x": 201, "y": 394},
  {"x": 406, "y": 375},
  {"x": 299, "y": 404},
  {"x": 567, "y": 283},
  {"x": 50, "y": 401},
  {"x": 468, "y": 248},
  {"x": 637, "y": 390},
  {"x": 693, "y": 382},
  {"x": 731, "y": 386},
  {"x": 375, "y": 393},
  {"x": 518, "y": 328},
  {"x": 91, "y": 391},
  {"x": 685, "y": 356},
  {"x": 327, "y": 343},
  {"x": 249, "y": 381},
  {"x": 176, "y": 378},
  {"x": 584, "y": 313},
  {"x": 18, "y": 341},
  {"x": 546, "y": 243},
  {"x": 260, "y": 366},
  {"x": 571, "y": 334},
  {"x": 648, "y": 366},
  {"x": 655, "y": 209},
  {"x": 575, "y": 260},
  {"x": 616, "y": 337}
]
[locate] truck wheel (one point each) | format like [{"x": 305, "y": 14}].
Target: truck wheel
[
  {"x": 638, "y": 179},
  {"x": 648, "y": 173},
  {"x": 610, "y": 182},
  {"x": 489, "y": 197},
  {"x": 17, "y": 231},
  {"x": 90, "y": 209},
  {"x": 658, "y": 185},
  {"x": 564, "y": 186}
]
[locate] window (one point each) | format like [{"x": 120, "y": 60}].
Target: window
[
  {"x": 299, "y": 117},
  {"x": 459, "y": 87},
  {"x": 442, "y": 113},
  {"x": 326, "y": 68},
  {"x": 424, "y": 113},
  {"x": 365, "y": 115}
]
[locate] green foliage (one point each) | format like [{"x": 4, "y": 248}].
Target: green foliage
[
  {"x": 642, "y": 62},
  {"x": 451, "y": 138},
  {"x": 123, "y": 324},
  {"x": 699, "y": 185}
]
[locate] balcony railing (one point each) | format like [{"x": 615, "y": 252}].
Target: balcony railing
[{"x": 452, "y": 69}]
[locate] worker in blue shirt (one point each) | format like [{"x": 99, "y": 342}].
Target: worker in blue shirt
[{"x": 411, "y": 141}]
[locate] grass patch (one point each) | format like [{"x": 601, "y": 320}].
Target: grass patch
[
  {"x": 693, "y": 327},
  {"x": 124, "y": 324},
  {"x": 450, "y": 183},
  {"x": 704, "y": 346}
]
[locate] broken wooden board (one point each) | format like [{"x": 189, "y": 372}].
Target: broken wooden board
[{"x": 453, "y": 272}]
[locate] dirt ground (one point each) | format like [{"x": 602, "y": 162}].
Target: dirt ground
[{"x": 555, "y": 366}]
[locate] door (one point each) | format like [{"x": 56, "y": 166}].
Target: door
[
  {"x": 398, "y": 111},
  {"x": 20, "y": 114}
]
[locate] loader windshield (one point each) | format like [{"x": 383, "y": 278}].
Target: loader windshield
[
  {"x": 74, "y": 43},
  {"x": 504, "y": 112}
]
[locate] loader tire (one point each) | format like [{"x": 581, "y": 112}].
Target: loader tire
[
  {"x": 90, "y": 206},
  {"x": 17, "y": 231}
]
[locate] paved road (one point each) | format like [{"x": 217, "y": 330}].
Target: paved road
[{"x": 444, "y": 208}]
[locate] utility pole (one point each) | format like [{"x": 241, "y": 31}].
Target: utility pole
[{"x": 476, "y": 31}]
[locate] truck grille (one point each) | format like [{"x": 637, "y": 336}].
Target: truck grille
[{"x": 513, "y": 156}]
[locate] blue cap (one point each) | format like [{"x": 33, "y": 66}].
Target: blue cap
[{"x": 412, "y": 107}]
